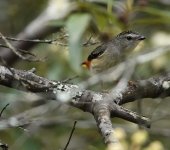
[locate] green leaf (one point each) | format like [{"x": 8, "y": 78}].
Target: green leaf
[
  {"x": 76, "y": 25},
  {"x": 155, "y": 12},
  {"x": 101, "y": 16}
]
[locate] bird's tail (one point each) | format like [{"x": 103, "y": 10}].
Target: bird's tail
[{"x": 86, "y": 64}]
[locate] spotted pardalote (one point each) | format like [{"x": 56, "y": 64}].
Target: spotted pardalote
[{"x": 113, "y": 51}]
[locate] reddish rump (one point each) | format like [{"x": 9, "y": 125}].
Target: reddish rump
[{"x": 86, "y": 64}]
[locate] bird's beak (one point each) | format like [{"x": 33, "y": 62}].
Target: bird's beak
[{"x": 141, "y": 38}]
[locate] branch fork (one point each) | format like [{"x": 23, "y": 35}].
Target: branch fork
[{"x": 99, "y": 104}]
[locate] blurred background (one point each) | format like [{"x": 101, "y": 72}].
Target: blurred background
[{"x": 81, "y": 25}]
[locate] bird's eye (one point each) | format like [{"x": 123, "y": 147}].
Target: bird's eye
[{"x": 129, "y": 38}]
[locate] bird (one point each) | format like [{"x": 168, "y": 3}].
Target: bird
[{"x": 112, "y": 52}]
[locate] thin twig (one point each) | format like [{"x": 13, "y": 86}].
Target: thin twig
[
  {"x": 28, "y": 40},
  {"x": 61, "y": 44},
  {"x": 21, "y": 50},
  {"x": 89, "y": 42},
  {"x": 46, "y": 41},
  {"x": 3, "y": 109},
  {"x": 18, "y": 52},
  {"x": 72, "y": 131},
  {"x": 70, "y": 79}
]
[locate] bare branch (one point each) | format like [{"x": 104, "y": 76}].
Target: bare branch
[
  {"x": 15, "y": 51},
  {"x": 3, "y": 109},
  {"x": 70, "y": 79},
  {"x": 89, "y": 42},
  {"x": 102, "y": 116},
  {"x": 137, "y": 89},
  {"x": 46, "y": 41},
  {"x": 72, "y": 131},
  {"x": 129, "y": 115},
  {"x": 21, "y": 51},
  {"x": 101, "y": 105}
]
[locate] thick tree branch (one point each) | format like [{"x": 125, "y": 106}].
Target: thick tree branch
[
  {"x": 102, "y": 117},
  {"x": 101, "y": 105},
  {"x": 28, "y": 81},
  {"x": 150, "y": 88}
]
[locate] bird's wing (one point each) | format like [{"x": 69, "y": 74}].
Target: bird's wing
[{"x": 98, "y": 51}]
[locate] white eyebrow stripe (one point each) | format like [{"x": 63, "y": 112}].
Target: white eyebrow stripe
[{"x": 131, "y": 35}]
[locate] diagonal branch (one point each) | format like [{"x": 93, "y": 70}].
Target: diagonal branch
[
  {"x": 19, "y": 52},
  {"x": 129, "y": 115},
  {"x": 102, "y": 117},
  {"x": 72, "y": 131}
]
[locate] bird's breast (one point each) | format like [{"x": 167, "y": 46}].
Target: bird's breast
[{"x": 103, "y": 63}]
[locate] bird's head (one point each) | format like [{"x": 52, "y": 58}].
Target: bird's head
[{"x": 128, "y": 40}]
